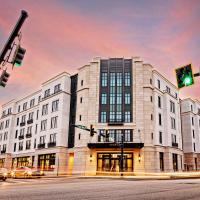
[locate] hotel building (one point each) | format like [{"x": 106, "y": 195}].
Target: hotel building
[
  {"x": 190, "y": 116},
  {"x": 125, "y": 97}
]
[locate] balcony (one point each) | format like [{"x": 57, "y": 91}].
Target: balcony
[
  {"x": 22, "y": 124},
  {"x": 21, "y": 137},
  {"x": 30, "y": 121},
  {"x": 28, "y": 135},
  {"x": 3, "y": 151},
  {"x": 41, "y": 146},
  {"x": 115, "y": 123},
  {"x": 174, "y": 144},
  {"x": 51, "y": 144}
]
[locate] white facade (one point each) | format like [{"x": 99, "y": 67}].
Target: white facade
[{"x": 38, "y": 124}]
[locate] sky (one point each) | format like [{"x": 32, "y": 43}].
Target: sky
[{"x": 64, "y": 35}]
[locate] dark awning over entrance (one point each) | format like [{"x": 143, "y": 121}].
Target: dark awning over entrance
[{"x": 114, "y": 145}]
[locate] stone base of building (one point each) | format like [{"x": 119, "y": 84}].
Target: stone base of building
[{"x": 191, "y": 161}]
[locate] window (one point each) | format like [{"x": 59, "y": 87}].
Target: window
[
  {"x": 7, "y": 123},
  {"x": 127, "y": 116},
  {"x": 198, "y": 111},
  {"x": 81, "y": 99},
  {"x": 29, "y": 130},
  {"x": 52, "y": 138},
  {"x": 47, "y": 161},
  {"x": 172, "y": 107},
  {"x": 45, "y": 109},
  {"x": 17, "y": 121},
  {"x": 103, "y": 98},
  {"x": 127, "y": 135},
  {"x": 1, "y": 137},
  {"x": 158, "y": 82},
  {"x": 20, "y": 146},
  {"x": 159, "y": 102},
  {"x": 5, "y": 136},
  {"x": 28, "y": 144},
  {"x": 192, "y": 121},
  {"x": 54, "y": 122},
  {"x": 1, "y": 125},
  {"x": 15, "y": 144},
  {"x": 4, "y": 147},
  {"x": 55, "y": 105},
  {"x": 23, "y": 119},
  {"x": 42, "y": 139},
  {"x": 160, "y": 119},
  {"x": 37, "y": 114},
  {"x": 30, "y": 116},
  {"x": 194, "y": 146},
  {"x": 35, "y": 143},
  {"x": 127, "y": 98},
  {"x": 160, "y": 137},
  {"x": 32, "y": 103},
  {"x": 173, "y": 139},
  {"x": 46, "y": 93},
  {"x": 81, "y": 82},
  {"x": 39, "y": 99},
  {"x": 57, "y": 88},
  {"x": 104, "y": 79},
  {"x": 79, "y": 136},
  {"x": 22, "y": 132},
  {"x": 25, "y": 106},
  {"x": 18, "y": 108},
  {"x": 80, "y": 117},
  {"x": 150, "y": 81},
  {"x": 103, "y": 117},
  {"x": 16, "y": 133},
  {"x": 168, "y": 89},
  {"x": 151, "y": 98},
  {"x": 161, "y": 154},
  {"x": 173, "y": 123},
  {"x": 127, "y": 78},
  {"x": 36, "y": 126},
  {"x": 43, "y": 125},
  {"x": 191, "y": 108},
  {"x": 9, "y": 111},
  {"x": 151, "y": 116},
  {"x": 175, "y": 161},
  {"x": 193, "y": 134}
]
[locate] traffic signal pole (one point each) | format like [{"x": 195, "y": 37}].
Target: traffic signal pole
[{"x": 13, "y": 35}]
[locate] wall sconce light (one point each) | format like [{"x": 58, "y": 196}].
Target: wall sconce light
[
  {"x": 90, "y": 157},
  {"x": 139, "y": 157}
]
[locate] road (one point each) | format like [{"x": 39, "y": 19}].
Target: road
[{"x": 99, "y": 189}]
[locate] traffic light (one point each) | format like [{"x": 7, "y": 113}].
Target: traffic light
[
  {"x": 18, "y": 56},
  {"x": 107, "y": 135},
  {"x": 91, "y": 131},
  {"x": 4, "y": 78},
  {"x": 184, "y": 76}
]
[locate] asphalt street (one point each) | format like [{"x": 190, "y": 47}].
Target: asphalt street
[{"x": 93, "y": 189}]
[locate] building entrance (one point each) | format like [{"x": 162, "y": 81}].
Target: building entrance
[{"x": 110, "y": 162}]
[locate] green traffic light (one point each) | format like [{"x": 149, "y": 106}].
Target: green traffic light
[
  {"x": 18, "y": 65},
  {"x": 187, "y": 81}
]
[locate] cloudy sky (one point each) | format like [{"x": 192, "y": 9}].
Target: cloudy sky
[{"x": 63, "y": 35}]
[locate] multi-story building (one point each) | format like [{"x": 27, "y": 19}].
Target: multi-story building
[
  {"x": 125, "y": 98},
  {"x": 190, "y": 115},
  {"x": 34, "y": 129}
]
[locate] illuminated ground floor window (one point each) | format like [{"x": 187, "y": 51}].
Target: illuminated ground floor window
[
  {"x": 110, "y": 162},
  {"x": 2, "y": 161},
  {"x": 23, "y": 161},
  {"x": 47, "y": 161}
]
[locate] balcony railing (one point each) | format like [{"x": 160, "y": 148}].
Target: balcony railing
[
  {"x": 30, "y": 121},
  {"x": 3, "y": 151},
  {"x": 28, "y": 135},
  {"x": 115, "y": 123},
  {"x": 21, "y": 137},
  {"x": 22, "y": 124},
  {"x": 174, "y": 144},
  {"x": 51, "y": 144},
  {"x": 41, "y": 146}
]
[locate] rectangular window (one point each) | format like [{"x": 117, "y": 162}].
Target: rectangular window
[
  {"x": 158, "y": 82},
  {"x": 57, "y": 88},
  {"x": 159, "y": 102},
  {"x": 173, "y": 139},
  {"x": 25, "y": 106},
  {"x": 30, "y": 116},
  {"x": 193, "y": 134},
  {"x": 43, "y": 125},
  {"x": 23, "y": 120},
  {"x": 17, "y": 121},
  {"x": 192, "y": 121},
  {"x": 14, "y": 147},
  {"x": 1, "y": 125},
  {"x": 52, "y": 138},
  {"x": 173, "y": 123},
  {"x": 168, "y": 89},
  {"x": 54, "y": 122},
  {"x": 127, "y": 116},
  {"x": 160, "y": 119},
  {"x": 172, "y": 107},
  {"x": 7, "y": 123},
  {"x": 103, "y": 98},
  {"x": 28, "y": 144},
  {"x": 104, "y": 79},
  {"x": 5, "y": 136},
  {"x": 127, "y": 78},
  {"x": 22, "y": 132},
  {"x": 127, "y": 98},
  {"x": 16, "y": 133},
  {"x": 47, "y": 161},
  {"x": 46, "y": 93},
  {"x": 42, "y": 139},
  {"x": 32, "y": 103},
  {"x": 161, "y": 161},
  {"x": 194, "y": 146},
  {"x": 55, "y": 105},
  {"x": 29, "y": 130},
  {"x": 20, "y": 146},
  {"x": 18, "y": 108},
  {"x": 45, "y": 109},
  {"x": 37, "y": 114},
  {"x": 160, "y": 137},
  {"x": 103, "y": 117}
]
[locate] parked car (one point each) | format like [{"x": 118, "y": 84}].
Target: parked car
[
  {"x": 3, "y": 174},
  {"x": 26, "y": 172}
]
